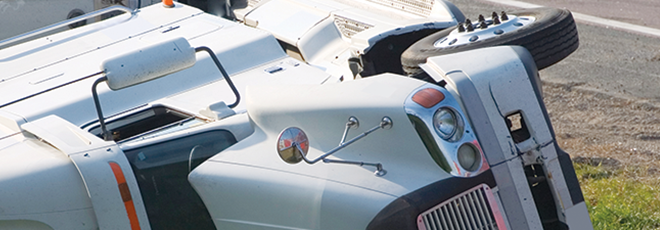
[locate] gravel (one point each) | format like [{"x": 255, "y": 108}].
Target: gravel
[{"x": 604, "y": 128}]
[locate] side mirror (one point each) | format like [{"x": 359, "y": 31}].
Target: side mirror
[
  {"x": 292, "y": 145},
  {"x": 149, "y": 63},
  {"x": 141, "y": 66}
]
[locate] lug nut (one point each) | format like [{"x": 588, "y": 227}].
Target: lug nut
[
  {"x": 504, "y": 17},
  {"x": 481, "y": 18},
  {"x": 495, "y": 18},
  {"x": 483, "y": 25},
  {"x": 468, "y": 26},
  {"x": 461, "y": 28}
]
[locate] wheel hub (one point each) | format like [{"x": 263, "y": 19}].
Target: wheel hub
[{"x": 484, "y": 29}]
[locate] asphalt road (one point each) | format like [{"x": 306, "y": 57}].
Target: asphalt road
[{"x": 610, "y": 59}]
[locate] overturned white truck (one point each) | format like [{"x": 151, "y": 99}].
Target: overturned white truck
[{"x": 171, "y": 118}]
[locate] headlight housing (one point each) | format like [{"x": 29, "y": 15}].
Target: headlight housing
[
  {"x": 445, "y": 130},
  {"x": 447, "y": 124},
  {"x": 469, "y": 157}
]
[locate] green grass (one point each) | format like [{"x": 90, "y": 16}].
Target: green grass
[{"x": 620, "y": 199}]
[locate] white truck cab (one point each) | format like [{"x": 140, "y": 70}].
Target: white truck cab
[{"x": 169, "y": 117}]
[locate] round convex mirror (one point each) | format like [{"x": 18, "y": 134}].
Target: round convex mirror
[{"x": 292, "y": 145}]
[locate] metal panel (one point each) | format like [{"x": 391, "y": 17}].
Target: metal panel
[{"x": 92, "y": 156}]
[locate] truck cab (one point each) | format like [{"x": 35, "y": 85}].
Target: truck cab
[{"x": 169, "y": 117}]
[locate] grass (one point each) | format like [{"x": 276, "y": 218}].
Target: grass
[{"x": 627, "y": 198}]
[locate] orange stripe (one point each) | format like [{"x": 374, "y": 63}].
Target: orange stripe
[
  {"x": 125, "y": 195},
  {"x": 119, "y": 175}
]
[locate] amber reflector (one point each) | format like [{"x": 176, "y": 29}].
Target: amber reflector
[
  {"x": 428, "y": 97},
  {"x": 125, "y": 195}
]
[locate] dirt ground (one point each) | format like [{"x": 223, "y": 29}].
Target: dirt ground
[{"x": 598, "y": 128}]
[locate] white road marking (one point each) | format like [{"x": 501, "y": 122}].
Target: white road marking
[
  {"x": 589, "y": 19},
  {"x": 515, "y": 3}
]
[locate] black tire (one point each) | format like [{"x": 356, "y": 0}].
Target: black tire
[{"x": 550, "y": 38}]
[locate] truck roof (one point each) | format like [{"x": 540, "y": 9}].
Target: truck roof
[{"x": 54, "y": 74}]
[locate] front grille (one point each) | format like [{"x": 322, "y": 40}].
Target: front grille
[
  {"x": 350, "y": 27},
  {"x": 419, "y": 7},
  {"x": 473, "y": 209}
]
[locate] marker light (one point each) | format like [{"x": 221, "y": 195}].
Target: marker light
[
  {"x": 168, "y": 3},
  {"x": 428, "y": 97}
]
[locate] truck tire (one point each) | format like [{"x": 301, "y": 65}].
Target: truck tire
[{"x": 549, "y": 34}]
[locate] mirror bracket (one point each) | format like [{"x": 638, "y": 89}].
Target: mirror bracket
[
  {"x": 379, "y": 167},
  {"x": 104, "y": 131},
  {"x": 127, "y": 77},
  {"x": 224, "y": 73},
  {"x": 386, "y": 123},
  {"x": 351, "y": 123}
]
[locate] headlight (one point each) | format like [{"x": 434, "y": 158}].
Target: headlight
[
  {"x": 447, "y": 124},
  {"x": 469, "y": 157}
]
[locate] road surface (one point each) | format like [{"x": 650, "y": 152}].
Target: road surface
[{"x": 610, "y": 59}]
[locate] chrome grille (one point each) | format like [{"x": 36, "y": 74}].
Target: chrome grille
[
  {"x": 419, "y": 7},
  {"x": 349, "y": 27},
  {"x": 474, "y": 209}
]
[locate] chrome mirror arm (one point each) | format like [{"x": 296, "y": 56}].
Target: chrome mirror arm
[
  {"x": 351, "y": 123},
  {"x": 379, "y": 167},
  {"x": 223, "y": 72},
  {"x": 107, "y": 136},
  {"x": 386, "y": 123}
]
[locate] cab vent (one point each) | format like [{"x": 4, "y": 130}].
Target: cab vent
[{"x": 349, "y": 27}]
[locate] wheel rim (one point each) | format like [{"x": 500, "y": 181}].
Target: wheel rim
[{"x": 494, "y": 27}]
